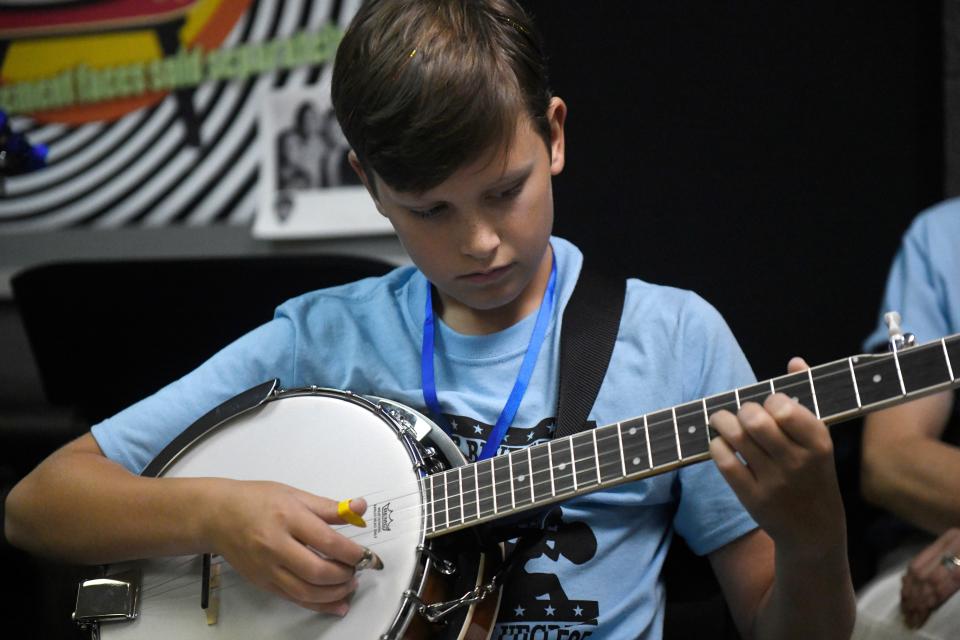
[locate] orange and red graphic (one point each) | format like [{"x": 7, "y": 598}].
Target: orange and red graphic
[{"x": 49, "y": 39}]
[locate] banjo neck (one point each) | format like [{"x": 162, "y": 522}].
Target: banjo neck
[{"x": 663, "y": 440}]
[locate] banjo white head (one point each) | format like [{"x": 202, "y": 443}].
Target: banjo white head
[{"x": 324, "y": 444}]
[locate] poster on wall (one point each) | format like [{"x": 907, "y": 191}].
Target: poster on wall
[
  {"x": 149, "y": 111},
  {"x": 307, "y": 186}
]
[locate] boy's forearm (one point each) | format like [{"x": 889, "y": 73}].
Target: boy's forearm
[
  {"x": 811, "y": 597},
  {"x": 81, "y": 507}
]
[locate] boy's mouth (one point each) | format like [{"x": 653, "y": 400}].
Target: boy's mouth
[{"x": 487, "y": 275}]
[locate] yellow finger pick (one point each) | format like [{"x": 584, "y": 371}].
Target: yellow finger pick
[{"x": 343, "y": 510}]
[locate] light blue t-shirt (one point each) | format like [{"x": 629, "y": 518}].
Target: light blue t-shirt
[
  {"x": 924, "y": 281},
  {"x": 596, "y": 573}
]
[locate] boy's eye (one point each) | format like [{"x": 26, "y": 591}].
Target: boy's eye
[
  {"x": 511, "y": 192},
  {"x": 428, "y": 213}
]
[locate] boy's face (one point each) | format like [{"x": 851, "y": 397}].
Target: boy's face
[{"x": 482, "y": 236}]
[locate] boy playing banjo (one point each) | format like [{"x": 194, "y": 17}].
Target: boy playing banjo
[{"x": 456, "y": 136}]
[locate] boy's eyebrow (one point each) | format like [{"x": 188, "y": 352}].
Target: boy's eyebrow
[{"x": 508, "y": 178}]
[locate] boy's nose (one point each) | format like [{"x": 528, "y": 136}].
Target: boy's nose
[{"x": 481, "y": 240}]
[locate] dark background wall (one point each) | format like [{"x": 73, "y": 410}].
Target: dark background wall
[{"x": 765, "y": 155}]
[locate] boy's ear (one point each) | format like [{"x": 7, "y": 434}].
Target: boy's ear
[
  {"x": 364, "y": 178},
  {"x": 358, "y": 168},
  {"x": 556, "y": 116}
]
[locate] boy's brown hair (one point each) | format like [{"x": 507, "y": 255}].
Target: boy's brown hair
[{"x": 423, "y": 87}]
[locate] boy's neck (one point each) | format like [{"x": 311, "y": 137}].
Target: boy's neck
[{"x": 469, "y": 321}]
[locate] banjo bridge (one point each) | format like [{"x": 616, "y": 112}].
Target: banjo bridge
[{"x": 209, "y": 593}]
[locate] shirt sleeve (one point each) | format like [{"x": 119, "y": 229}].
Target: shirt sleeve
[
  {"x": 709, "y": 515},
  {"x": 137, "y": 434},
  {"x": 914, "y": 290}
]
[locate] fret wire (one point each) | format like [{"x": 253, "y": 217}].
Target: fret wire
[
  {"x": 533, "y": 496},
  {"x": 553, "y": 484},
  {"x": 772, "y": 390},
  {"x": 439, "y": 500},
  {"x": 676, "y": 432},
  {"x": 423, "y": 496},
  {"x": 460, "y": 479},
  {"x": 476, "y": 483},
  {"x": 596, "y": 455},
  {"x": 943, "y": 343},
  {"x": 706, "y": 422},
  {"x": 493, "y": 485},
  {"x": 573, "y": 463},
  {"x": 426, "y": 502},
  {"x": 513, "y": 499},
  {"x": 623, "y": 460},
  {"x": 446, "y": 501},
  {"x": 646, "y": 432},
  {"x": 433, "y": 505},
  {"x": 813, "y": 392},
  {"x": 736, "y": 393},
  {"x": 896, "y": 362},
  {"x": 856, "y": 388}
]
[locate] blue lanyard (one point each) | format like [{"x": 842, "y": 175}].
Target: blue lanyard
[{"x": 509, "y": 411}]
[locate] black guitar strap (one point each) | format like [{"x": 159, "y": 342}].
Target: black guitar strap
[{"x": 591, "y": 322}]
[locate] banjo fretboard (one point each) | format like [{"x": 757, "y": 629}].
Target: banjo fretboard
[{"x": 663, "y": 440}]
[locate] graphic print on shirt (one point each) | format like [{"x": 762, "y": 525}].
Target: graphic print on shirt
[
  {"x": 470, "y": 435},
  {"x": 535, "y": 603}
]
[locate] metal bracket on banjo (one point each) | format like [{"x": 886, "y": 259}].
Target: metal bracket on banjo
[
  {"x": 440, "y": 610},
  {"x": 114, "y": 598},
  {"x": 442, "y": 565},
  {"x": 425, "y": 457}
]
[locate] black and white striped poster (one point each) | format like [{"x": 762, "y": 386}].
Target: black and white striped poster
[{"x": 151, "y": 111}]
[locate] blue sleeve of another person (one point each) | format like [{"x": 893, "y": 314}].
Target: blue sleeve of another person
[{"x": 923, "y": 282}]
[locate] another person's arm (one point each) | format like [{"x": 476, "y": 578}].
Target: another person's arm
[
  {"x": 932, "y": 578},
  {"x": 907, "y": 469}
]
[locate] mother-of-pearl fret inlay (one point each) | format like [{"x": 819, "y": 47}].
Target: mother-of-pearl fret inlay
[{"x": 654, "y": 442}]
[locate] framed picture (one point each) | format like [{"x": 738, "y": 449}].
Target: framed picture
[{"x": 307, "y": 187}]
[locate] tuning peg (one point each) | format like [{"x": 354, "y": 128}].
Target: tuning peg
[{"x": 898, "y": 339}]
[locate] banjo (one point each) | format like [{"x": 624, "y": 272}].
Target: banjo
[{"x": 425, "y": 500}]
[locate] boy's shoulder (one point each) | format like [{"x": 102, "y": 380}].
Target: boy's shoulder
[
  {"x": 376, "y": 290},
  {"x": 665, "y": 303}
]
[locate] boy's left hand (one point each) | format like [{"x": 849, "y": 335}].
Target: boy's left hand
[{"x": 786, "y": 479}]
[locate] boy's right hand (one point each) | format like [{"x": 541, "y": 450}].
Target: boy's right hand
[{"x": 280, "y": 539}]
